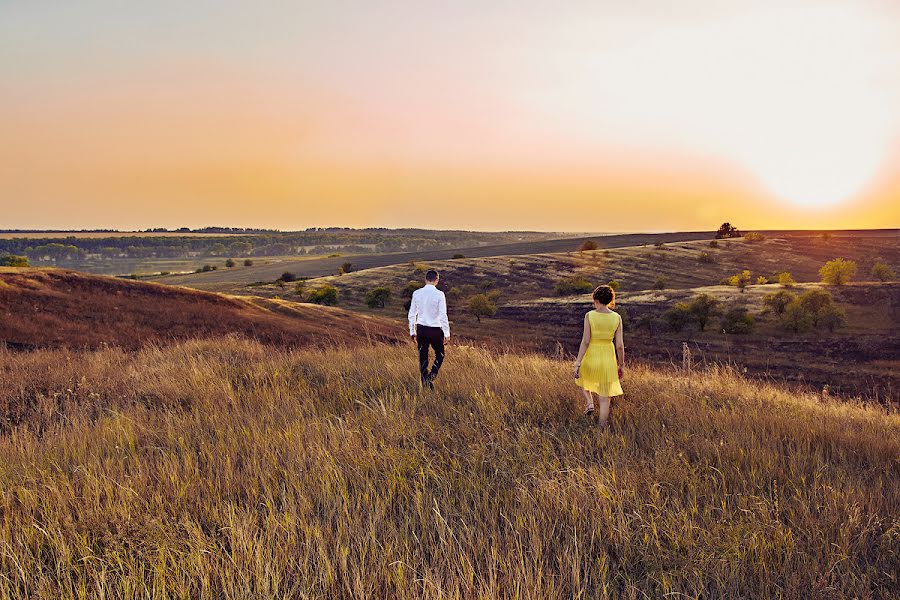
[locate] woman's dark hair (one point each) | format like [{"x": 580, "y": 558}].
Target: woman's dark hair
[{"x": 605, "y": 295}]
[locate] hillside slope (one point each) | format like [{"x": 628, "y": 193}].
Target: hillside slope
[
  {"x": 225, "y": 469},
  {"x": 58, "y": 308}
]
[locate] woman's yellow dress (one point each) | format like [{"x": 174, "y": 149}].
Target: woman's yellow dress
[{"x": 599, "y": 371}]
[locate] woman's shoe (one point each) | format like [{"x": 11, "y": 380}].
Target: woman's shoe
[{"x": 589, "y": 412}]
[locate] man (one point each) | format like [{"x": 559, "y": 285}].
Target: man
[{"x": 429, "y": 326}]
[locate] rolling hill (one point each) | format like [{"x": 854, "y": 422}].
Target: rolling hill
[{"x": 51, "y": 308}]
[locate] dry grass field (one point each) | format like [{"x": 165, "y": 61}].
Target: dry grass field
[
  {"x": 57, "y": 308},
  {"x": 227, "y": 469}
]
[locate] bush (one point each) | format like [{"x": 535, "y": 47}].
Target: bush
[
  {"x": 300, "y": 288},
  {"x": 706, "y": 258},
  {"x": 779, "y": 301},
  {"x": 753, "y": 236},
  {"x": 786, "y": 280},
  {"x": 482, "y": 306},
  {"x": 738, "y": 320},
  {"x": 458, "y": 256},
  {"x": 613, "y": 284},
  {"x": 740, "y": 280},
  {"x": 378, "y": 297},
  {"x": 11, "y": 260},
  {"x": 702, "y": 308},
  {"x": 588, "y": 245},
  {"x": 248, "y": 262},
  {"x": 486, "y": 284},
  {"x": 346, "y": 268},
  {"x": 206, "y": 269},
  {"x": 832, "y": 317},
  {"x": 574, "y": 285},
  {"x": 816, "y": 303},
  {"x": 678, "y": 316},
  {"x": 659, "y": 244},
  {"x": 714, "y": 244},
  {"x": 288, "y": 277},
  {"x": 327, "y": 295},
  {"x": 796, "y": 318},
  {"x": 659, "y": 284},
  {"x": 420, "y": 267},
  {"x": 229, "y": 263},
  {"x": 454, "y": 293},
  {"x": 837, "y": 271},
  {"x": 883, "y": 272},
  {"x": 727, "y": 230},
  {"x": 761, "y": 280}
]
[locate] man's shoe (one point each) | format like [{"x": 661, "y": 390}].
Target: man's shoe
[{"x": 426, "y": 382}]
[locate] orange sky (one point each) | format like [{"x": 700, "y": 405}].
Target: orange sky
[{"x": 779, "y": 115}]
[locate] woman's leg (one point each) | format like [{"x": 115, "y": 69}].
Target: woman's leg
[
  {"x": 602, "y": 409},
  {"x": 588, "y": 401}
]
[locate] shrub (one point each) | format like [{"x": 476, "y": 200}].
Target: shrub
[
  {"x": 346, "y": 268},
  {"x": 762, "y": 280},
  {"x": 779, "y": 301},
  {"x": 727, "y": 230},
  {"x": 706, "y": 258},
  {"x": 288, "y": 277},
  {"x": 837, "y": 271},
  {"x": 486, "y": 284},
  {"x": 796, "y": 318},
  {"x": 832, "y": 317},
  {"x": 482, "y": 306},
  {"x": 420, "y": 267},
  {"x": 659, "y": 244},
  {"x": 815, "y": 302},
  {"x": 738, "y": 320},
  {"x": 659, "y": 284},
  {"x": 327, "y": 295},
  {"x": 753, "y": 236},
  {"x": 786, "y": 280},
  {"x": 248, "y": 262},
  {"x": 206, "y": 269},
  {"x": 229, "y": 263},
  {"x": 573, "y": 285},
  {"x": 714, "y": 244},
  {"x": 378, "y": 297},
  {"x": 883, "y": 272},
  {"x": 11, "y": 260},
  {"x": 458, "y": 256},
  {"x": 454, "y": 292},
  {"x": 740, "y": 280},
  {"x": 588, "y": 245},
  {"x": 613, "y": 284},
  {"x": 678, "y": 316},
  {"x": 300, "y": 288}
]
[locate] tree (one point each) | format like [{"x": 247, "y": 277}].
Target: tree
[
  {"x": 248, "y": 262},
  {"x": 740, "y": 280},
  {"x": 678, "y": 316},
  {"x": 815, "y": 302},
  {"x": 288, "y": 277},
  {"x": 702, "y": 308},
  {"x": 838, "y": 271},
  {"x": 346, "y": 268},
  {"x": 327, "y": 295},
  {"x": 613, "y": 284},
  {"x": 779, "y": 301},
  {"x": 738, "y": 320},
  {"x": 786, "y": 280},
  {"x": 458, "y": 256},
  {"x": 573, "y": 285},
  {"x": 832, "y": 317},
  {"x": 588, "y": 245},
  {"x": 481, "y": 306},
  {"x": 229, "y": 263},
  {"x": 727, "y": 230},
  {"x": 11, "y": 260},
  {"x": 378, "y": 297},
  {"x": 883, "y": 272},
  {"x": 796, "y": 318}
]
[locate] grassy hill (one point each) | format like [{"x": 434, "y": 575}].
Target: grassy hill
[
  {"x": 225, "y": 468},
  {"x": 58, "y": 308}
]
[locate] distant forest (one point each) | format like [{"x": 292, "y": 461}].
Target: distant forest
[{"x": 249, "y": 243}]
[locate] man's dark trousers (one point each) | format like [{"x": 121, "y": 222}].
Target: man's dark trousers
[{"x": 433, "y": 337}]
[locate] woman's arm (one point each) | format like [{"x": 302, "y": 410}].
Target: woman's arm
[
  {"x": 620, "y": 348},
  {"x": 585, "y": 341}
]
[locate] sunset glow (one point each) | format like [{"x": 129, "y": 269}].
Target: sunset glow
[{"x": 516, "y": 116}]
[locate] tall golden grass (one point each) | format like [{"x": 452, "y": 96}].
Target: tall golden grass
[{"x": 226, "y": 469}]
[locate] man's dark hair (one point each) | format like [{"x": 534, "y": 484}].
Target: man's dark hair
[
  {"x": 431, "y": 275},
  {"x": 604, "y": 295}
]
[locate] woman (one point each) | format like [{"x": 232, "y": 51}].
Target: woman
[{"x": 601, "y": 359}]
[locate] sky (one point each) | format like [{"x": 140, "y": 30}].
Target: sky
[{"x": 491, "y": 115}]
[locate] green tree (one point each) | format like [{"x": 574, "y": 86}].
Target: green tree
[
  {"x": 678, "y": 316},
  {"x": 832, "y": 317},
  {"x": 883, "y": 272},
  {"x": 573, "y": 285},
  {"x": 378, "y": 297},
  {"x": 740, "y": 280},
  {"x": 796, "y": 318},
  {"x": 327, "y": 295},
  {"x": 727, "y": 230},
  {"x": 779, "y": 301},
  {"x": 815, "y": 302},
  {"x": 838, "y": 271},
  {"x": 702, "y": 308},
  {"x": 482, "y": 306},
  {"x": 786, "y": 280},
  {"x": 738, "y": 320},
  {"x": 613, "y": 284},
  {"x": 229, "y": 263},
  {"x": 11, "y": 260}
]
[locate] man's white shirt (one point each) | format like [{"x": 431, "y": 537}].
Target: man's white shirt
[{"x": 429, "y": 308}]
